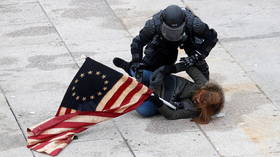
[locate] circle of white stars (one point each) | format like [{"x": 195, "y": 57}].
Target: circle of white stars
[{"x": 93, "y": 95}]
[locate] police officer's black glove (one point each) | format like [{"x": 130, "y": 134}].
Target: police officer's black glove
[
  {"x": 191, "y": 60},
  {"x": 188, "y": 61}
]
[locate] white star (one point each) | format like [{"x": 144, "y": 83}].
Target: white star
[
  {"x": 76, "y": 81},
  {"x": 92, "y": 97},
  {"x": 82, "y": 75},
  {"x": 77, "y": 97}
]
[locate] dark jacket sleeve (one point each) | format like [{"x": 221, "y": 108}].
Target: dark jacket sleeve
[
  {"x": 196, "y": 75},
  {"x": 146, "y": 35},
  {"x": 171, "y": 114},
  {"x": 157, "y": 80},
  {"x": 187, "y": 88},
  {"x": 208, "y": 36},
  {"x": 193, "y": 72}
]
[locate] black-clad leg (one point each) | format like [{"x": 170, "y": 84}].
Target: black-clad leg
[{"x": 203, "y": 67}]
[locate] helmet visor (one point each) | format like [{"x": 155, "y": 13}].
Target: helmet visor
[{"x": 172, "y": 34}]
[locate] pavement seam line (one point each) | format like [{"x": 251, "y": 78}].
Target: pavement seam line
[
  {"x": 19, "y": 3},
  {"x": 11, "y": 109},
  {"x": 59, "y": 35},
  {"x": 124, "y": 139},
  {"x": 130, "y": 36},
  {"x": 255, "y": 37},
  {"x": 249, "y": 77},
  {"x": 13, "y": 113},
  {"x": 203, "y": 132},
  {"x": 119, "y": 19},
  {"x": 209, "y": 140}
]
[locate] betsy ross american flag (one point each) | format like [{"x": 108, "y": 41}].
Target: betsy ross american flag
[{"x": 97, "y": 93}]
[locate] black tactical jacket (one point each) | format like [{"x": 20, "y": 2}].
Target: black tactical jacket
[
  {"x": 178, "y": 90},
  {"x": 197, "y": 37}
]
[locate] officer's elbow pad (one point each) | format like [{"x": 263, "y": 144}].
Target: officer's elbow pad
[{"x": 212, "y": 34}]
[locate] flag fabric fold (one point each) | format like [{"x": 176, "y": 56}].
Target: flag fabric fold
[{"x": 97, "y": 93}]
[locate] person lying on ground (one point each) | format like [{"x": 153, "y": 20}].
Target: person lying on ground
[{"x": 198, "y": 100}]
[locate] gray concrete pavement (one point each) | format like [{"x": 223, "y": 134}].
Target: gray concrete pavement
[{"x": 41, "y": 44}]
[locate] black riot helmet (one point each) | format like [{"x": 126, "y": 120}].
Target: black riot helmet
[{"x": 173, "y": 23}]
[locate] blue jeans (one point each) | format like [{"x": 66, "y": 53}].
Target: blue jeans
[{"x": 148, "y": 108}]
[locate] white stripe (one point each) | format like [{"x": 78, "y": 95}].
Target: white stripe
[
  {"x": 55, "y": 130},
  {"x": 55, "y": 147},
  {"x": 32, "y": 141},
  {"x": 124, "y": 94},
  {"x": 63, "y": 136},
  {"x": 88, "y": 119},
  {"x": 134, "y": 99},
  {"x": 35, "y": 145},
  {"x": 73, "y": 111},
  {"x": 110, "y": 93},
  {"x": 62, "y": 111},
  {"x": 51, "y": 147}
]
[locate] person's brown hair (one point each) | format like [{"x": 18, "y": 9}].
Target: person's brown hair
[{"x": 211, "y": 102}]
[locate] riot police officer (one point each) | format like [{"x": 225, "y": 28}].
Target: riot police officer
[{"x": 167, "y": 30}]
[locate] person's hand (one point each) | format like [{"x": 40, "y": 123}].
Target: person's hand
[{"x": 155, "y": 99}]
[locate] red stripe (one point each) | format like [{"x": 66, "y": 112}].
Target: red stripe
[
  {"x": 50, "y": 123},
  {"x": 72, "y": 125},
  {"x": 131, "y": 94},
  {"x": 51, "y": 136},
  {"x": 55, "y": 152},
  {"x": 129, "y": 97},
  {"x": 58, "y": 122},
  {"x": 48, "y": 137},
  {"x": 41, "y": 145},
  {"x": 117, "y": 93},
  {"x": 57, "y": 113},
  {"x": 139, "y": 102},
  {"x": 66, "y": 139},
  {"x": 68, "y": 110},
  {"x": 101, "y": 114},
  {"x": 83, "y": 124},
  {"x": 60, "y": 119}
]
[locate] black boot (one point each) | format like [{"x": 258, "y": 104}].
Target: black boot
[{"x": 118, "y": 62}]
